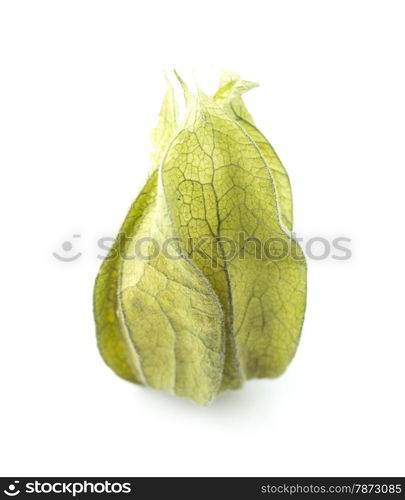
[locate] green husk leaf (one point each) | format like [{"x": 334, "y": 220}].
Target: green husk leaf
[
  {"x": 190, "y": 321},
  {"x": 229, "y": 98}
]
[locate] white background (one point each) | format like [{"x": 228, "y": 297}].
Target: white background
[{"x": 81, "y": 83}]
